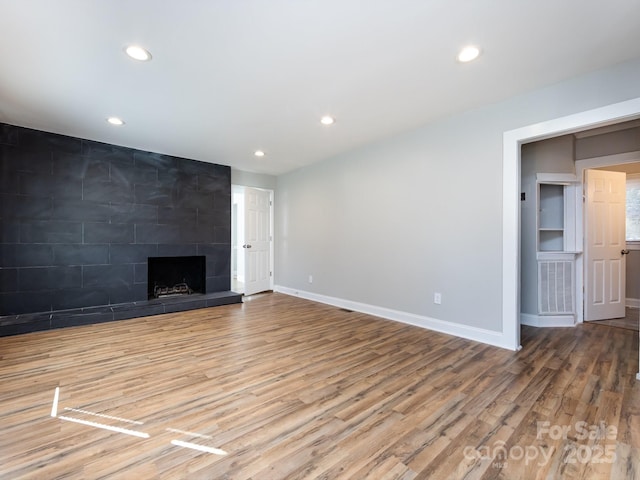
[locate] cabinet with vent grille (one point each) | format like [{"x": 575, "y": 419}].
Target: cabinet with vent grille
[
  {"x": 556, "y": 246},
  {"x": 556, "y": 285}
]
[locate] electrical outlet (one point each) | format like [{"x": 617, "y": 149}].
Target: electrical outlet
[
  {"x": 310, "y": 278},
  {"x": 437, "y": 298}
]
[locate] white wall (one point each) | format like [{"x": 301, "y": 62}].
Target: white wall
[
  {"x": 388, "y": 225},
  {"x": 250, "y": 179},
  {"x": 620, "y": 141}
]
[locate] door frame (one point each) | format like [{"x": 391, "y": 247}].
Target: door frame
[
  {"x": 234, "y": 228},
  {"x": 512, "y": 141},
  {"x": 581, "y": 166}
]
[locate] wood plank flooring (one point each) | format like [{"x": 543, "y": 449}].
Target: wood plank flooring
[
  {"x": 631, "y": 320},
  {"x": 283, "y": 388}
]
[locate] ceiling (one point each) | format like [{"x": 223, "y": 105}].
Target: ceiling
[{"x": 229, "y": 77}]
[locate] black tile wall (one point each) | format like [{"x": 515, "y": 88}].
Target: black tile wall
[{"x": 78, "y": 220}]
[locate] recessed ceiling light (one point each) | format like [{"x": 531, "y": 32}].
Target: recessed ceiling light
[
  {"x": 259, "y": 153},
  {"x": 468, "y": 54},
  {"x": 115, "y": 121},
  {"x": 138, "y": 53},
  {"x": 327, "y": 120}
]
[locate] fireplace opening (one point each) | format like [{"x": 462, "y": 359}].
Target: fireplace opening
[{"x": 172, "y": 276}]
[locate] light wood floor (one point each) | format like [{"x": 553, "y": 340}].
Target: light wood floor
[{"x": 293, "y": 389}]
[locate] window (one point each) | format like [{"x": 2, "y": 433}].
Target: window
[{"x": 633, "y": 208}]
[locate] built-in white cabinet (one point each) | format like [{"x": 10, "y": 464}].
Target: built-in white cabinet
[
  {"x": 551, "y": 206},
  {"x": 556, "y": 201},
  {"x": 557, "y": 248}
]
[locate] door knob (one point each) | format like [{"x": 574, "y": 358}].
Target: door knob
[
  {"x": 246, "y": 245},
  {"x": 624, "y": 252}
]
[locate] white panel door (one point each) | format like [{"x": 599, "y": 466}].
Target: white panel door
[
  {"x": 605, "y": 245},
  {"x": 257, "y": 241}
]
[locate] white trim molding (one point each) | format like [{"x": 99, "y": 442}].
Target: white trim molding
[
  {"x": 616, "y": 159},
  {"x": 632, "y": 302},
  {"x": 481, "y": 335},
  {"x": 546, "y": 321}
]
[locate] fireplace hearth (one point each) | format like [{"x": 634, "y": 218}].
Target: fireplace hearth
[{"x": 174, "y": 276}]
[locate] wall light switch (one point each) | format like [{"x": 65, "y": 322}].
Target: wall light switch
[{"x": 437, "y": 298}]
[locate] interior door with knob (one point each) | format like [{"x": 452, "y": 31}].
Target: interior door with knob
[
  {"x": 605, "y": 245},
  {"x": 257, "y": 240}
]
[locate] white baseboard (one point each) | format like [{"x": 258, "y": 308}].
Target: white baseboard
[
  {"x": 547, "y": 320},
  {"x": 464, "y": 331},
  {"x": 633, "y": 302}
]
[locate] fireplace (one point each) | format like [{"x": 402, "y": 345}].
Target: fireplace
[{"x": 172, "y": 276}]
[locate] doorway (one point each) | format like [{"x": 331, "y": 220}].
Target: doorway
[
  {"x": 512, "y": 141},
  {"x": 561, "y": 163},
  {"x": 622, "y": 164},
  {"x": 251, "y": 239}
]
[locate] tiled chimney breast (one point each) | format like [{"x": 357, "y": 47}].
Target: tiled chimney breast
[{"x": 80, "y": 218}]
